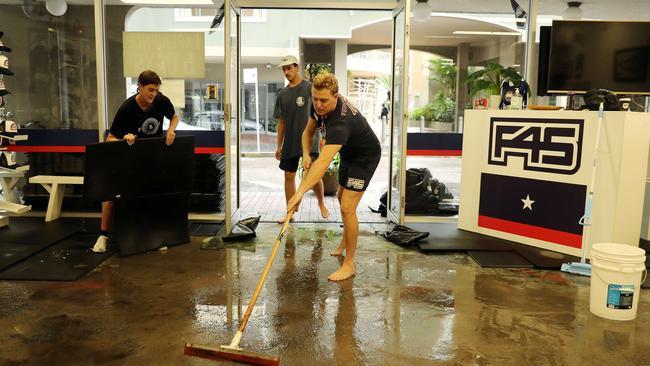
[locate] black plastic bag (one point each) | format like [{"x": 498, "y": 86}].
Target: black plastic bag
[
  {"x": 402, "y": 235},
  {"x": 244, "y": 229}
]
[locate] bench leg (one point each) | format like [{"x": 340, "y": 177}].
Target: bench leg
[
  {"x": 8, "y": 185},
  {"x": 55, "y": 202}
]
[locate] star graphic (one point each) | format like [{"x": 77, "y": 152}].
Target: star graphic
[{"x": 528, "y": 203}]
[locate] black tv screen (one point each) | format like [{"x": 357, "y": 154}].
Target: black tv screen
[{"x": 609, "y": 55}]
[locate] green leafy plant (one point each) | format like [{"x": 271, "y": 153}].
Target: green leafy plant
[
  {"x": 333, "y": 168},
  {"x": 311, "y": 70},
  {"x": 385, "y": 81},
  {"x": 444, "y": 72},
  {"x": 441, "y": 109},
  {"x": 490, "y": 78}
]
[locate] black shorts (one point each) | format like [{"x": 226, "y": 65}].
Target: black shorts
[
  {"x": 355, "y": 175},
  {"x": 291, "y": 164}
]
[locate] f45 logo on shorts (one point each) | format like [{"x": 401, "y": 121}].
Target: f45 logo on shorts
[
  {"x": 355, "y": 183},
  {"x": 553, "y": 146}
]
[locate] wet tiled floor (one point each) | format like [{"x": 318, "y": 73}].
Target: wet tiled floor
[{"x": 402, "y": 308}]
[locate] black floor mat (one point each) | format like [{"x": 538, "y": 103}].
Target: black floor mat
[
  {"x": 34, "y": 230},
  {"x": 205, "y": 228},
  {"x": 447, "y": 237},
  {"x": 499, "y": 259},
  {"x": 25, "y": 236},
  {"x": 542, "y": 258},
  {"x": 11, "y": 253},
  {"x": 66, "y": 260}
]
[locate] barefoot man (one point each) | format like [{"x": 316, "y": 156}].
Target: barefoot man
[
  {"x": 292, "y": 110},
  {"x": 346, "y": 131}
]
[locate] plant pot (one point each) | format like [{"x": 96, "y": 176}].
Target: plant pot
[
  {"x": 330, "y": 183},
  {"x": 494, "y": 102}
]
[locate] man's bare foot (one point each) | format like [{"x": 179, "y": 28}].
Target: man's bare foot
[
  {"x": 281, "y": 221},
  {"x": 346, "y": 271},
  {"x": 338, "y": 252},
  {"x": 324, "y": 212}
]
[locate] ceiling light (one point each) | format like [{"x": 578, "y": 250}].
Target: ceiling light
[
  {"x": 573, "y": 11},
  {"x": 421, "y": 10},
  {"x": 489, "y": 33}
]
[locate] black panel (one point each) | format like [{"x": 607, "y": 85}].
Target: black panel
[
  {"x": 542, "y": 60},
  {"x": 146, "y": 223},
  {"x": 148, "y": 167}
]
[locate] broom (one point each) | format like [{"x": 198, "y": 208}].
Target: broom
[
  {"x": 232, "y": 351},
  {"x": 582, "y": 267}
]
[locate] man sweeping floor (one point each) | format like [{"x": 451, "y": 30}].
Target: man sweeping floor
[{"x": 346, "y": 132}]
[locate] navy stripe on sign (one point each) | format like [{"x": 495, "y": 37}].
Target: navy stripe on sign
[
  {"x": 434, "y": 141},
  {"x": 551, "y": 212}
]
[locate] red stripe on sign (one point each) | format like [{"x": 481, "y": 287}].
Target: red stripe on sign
[
  {"x": 209, "y": 150},
  {"x": 530, "y": 231},
  {"x": 27, "y": 148},
  {"x": 81, "y": 149},
  {"x": 434, "y": 152}
]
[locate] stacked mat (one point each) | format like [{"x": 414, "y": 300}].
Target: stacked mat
[
  {"x": 208, "y": 191},
  {"x": 487, "y": 251}
]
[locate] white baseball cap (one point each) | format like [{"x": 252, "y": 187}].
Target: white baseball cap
[
  {"x": 3, "y": 91},
  {"x": 4, "y": 65},
  {"x": 288, "y": 60},
  {"x": 4, "y": 48}
]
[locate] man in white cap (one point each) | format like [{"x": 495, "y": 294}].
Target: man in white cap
[{"x": 292, "y": 111}]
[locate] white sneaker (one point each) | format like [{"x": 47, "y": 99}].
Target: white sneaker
[{"x": 100, "y": 244}]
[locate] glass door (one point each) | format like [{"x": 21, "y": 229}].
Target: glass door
[
  {"x": 232, "y": 68},
  {"x": 398, "y": 126}
]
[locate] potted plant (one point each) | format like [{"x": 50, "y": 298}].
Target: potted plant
[
  {"x": 331, "y": 176},
  {"x": 488, "y": 80}
]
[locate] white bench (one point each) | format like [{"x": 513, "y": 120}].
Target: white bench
[
  {"x": 55, "y": 185},
  {"x": 8, "y": 181}
]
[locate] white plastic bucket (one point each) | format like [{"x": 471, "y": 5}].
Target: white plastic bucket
[{"x": 616, "y": 271}]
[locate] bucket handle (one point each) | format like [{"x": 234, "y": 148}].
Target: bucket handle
[{"x": 645, "y": 276}]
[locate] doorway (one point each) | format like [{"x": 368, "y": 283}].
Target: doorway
[{"x": 261, "y": 184}]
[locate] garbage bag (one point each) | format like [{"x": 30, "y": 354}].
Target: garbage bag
[
  {"x": 402, "y": 235},
  {"x": 244, "y": 229}
]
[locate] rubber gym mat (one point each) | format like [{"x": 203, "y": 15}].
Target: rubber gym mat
[
  {"x": 146, "y": 223},
  {"x": 542, "y": 258},
  {"x": 205, "y": 228},
  {"x": 11, "y": 253},
  {"x": 148, "y": 167},
  {"x": 67, "y": 260},
  {"x": 34, "y": 230},
  {"x": 499, "y": 259},
  {"x": 447, "y": 237}
]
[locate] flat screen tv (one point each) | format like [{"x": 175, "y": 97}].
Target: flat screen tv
[{"x": 609, "y": 55}]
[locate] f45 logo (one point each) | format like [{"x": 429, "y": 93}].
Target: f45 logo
[{"x": 553, "y": 146}]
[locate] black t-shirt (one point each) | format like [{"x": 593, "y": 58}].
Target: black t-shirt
[
  {"x": 130, "y": 118},
  {"x": 346, "y": 126}
]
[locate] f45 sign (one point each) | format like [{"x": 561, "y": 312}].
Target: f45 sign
[{"x": 545, "y": 145}]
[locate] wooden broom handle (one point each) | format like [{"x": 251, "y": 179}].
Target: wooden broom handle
[{"x": 260, "y": 283}]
